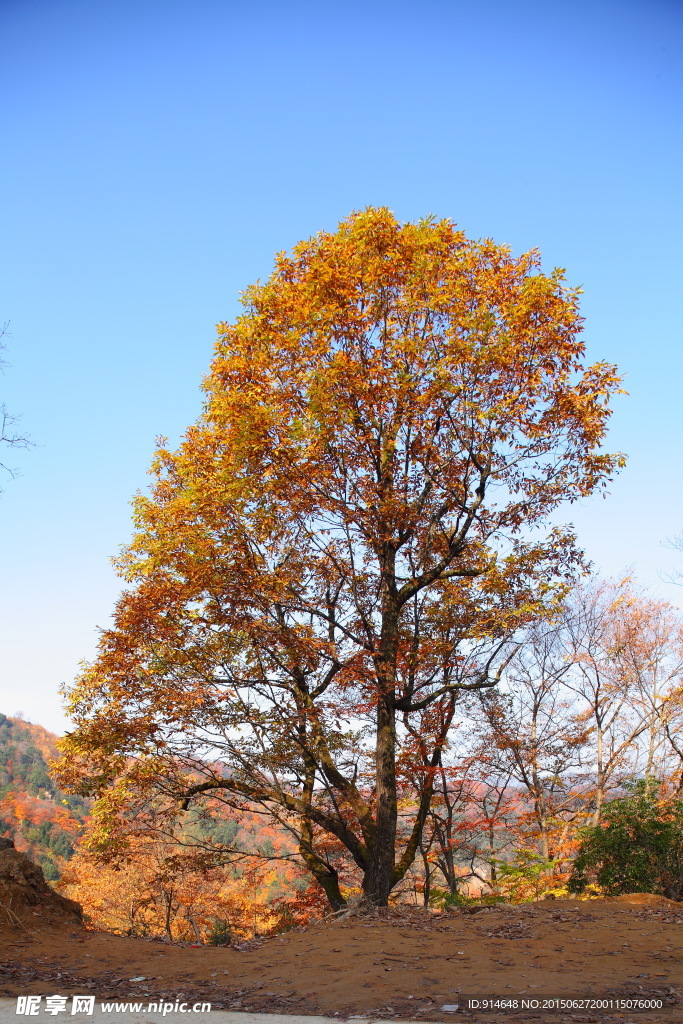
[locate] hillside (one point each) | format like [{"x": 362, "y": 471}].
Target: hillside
[
  {"x": 42, "y": 820},
  {"x": 203, "y": 899}
]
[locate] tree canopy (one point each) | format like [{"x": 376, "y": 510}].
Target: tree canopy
[{"x": 344, "y": 544}]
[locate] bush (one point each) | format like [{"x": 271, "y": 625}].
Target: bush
[
  {"x": 527, "y": 877},
  {"x": 637, "y": 848},
  {"x": 442, "y": 899},
  {"x": 220, "y": 934}
]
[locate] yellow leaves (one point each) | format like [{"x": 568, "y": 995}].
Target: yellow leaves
[{"x": 394, "y": 410}]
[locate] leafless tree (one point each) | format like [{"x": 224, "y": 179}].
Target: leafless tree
[{"x": 8, "y": 435}]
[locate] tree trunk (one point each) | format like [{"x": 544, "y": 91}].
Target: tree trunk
[
  {"x": 325, "y": 876},
  {"x": 493, "y": 880},
  {"x": 427, "y": 891},
  {"x": 377, "y": 882},
  {"x": 600, "y": 789},
  {"x": 168, "y": 900}
]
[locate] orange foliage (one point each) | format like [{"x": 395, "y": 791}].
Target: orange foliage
[
  {"x": 341, "y": 545},
  {"x": 164, "y": 890}
]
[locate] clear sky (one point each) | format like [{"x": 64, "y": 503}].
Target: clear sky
[{"x": 157, "y": 154}]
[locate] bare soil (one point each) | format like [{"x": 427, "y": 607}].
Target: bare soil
[
  {"x": 24, "y": 894},
  {"x": 402, "y": 962}
]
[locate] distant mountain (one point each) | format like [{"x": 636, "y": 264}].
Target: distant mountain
[{"x": 42, "y": 821}]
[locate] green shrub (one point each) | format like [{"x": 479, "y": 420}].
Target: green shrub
[
  {"x": 220, "y": 934},
  {"x": 525, "y": 878},
  {"x": 637, "y": 848},
  {"x": 444, "y": 898}
]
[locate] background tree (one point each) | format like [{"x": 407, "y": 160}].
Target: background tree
[
  {"x": 650, "y": 658},
  {"x": 471, "y": 822},
  {"x": 346, "y": 541},
  {"x": 532, "y": 734},
  {"x": 624, "y": 666},
  {"x": 8, "y": 437}
]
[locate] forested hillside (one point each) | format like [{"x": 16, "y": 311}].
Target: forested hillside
[
  {"x": 41, "y": 819},
  {"x": 164, "y": 887}
]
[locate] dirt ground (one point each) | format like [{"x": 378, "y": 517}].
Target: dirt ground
[{"x": 400, "y": 962}]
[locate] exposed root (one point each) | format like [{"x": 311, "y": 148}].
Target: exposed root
[
  {"x": 12, "y": 917},
  {"x": 361, "y": 908}
]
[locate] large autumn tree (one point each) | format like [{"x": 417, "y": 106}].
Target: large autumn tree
[{"x": 343, "y": 544}]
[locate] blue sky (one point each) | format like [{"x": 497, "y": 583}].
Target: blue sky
[{"x": 157, "y": 154}]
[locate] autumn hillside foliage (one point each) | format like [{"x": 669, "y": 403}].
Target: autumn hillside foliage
[
  {"x": 34, "y": 812},
  {"x": 163, "y": 889},
  {"x": 342, "y": 581}
]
